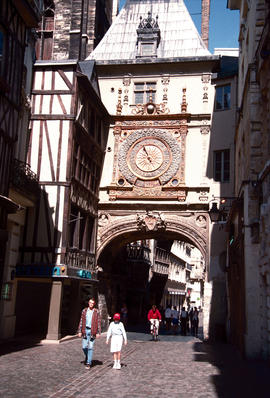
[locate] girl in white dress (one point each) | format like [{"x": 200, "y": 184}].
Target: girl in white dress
[{"x": 117, "y": 333}]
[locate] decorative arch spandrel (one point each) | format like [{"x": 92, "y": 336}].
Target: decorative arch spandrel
[{"x": 192, "y": 226}]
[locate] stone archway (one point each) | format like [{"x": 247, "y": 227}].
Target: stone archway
[
  {"x": 116, "y": 228},
  {"x": 127, "y": 225}
]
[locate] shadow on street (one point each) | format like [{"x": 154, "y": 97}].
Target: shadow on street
[
  {"x": 238, "y": 377},
  {"x": 19, "y": 344}
]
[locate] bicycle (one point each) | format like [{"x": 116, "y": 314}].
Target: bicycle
[{"x": 154, "y": 329}]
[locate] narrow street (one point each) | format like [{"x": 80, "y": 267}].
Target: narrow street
[{"x": 175, "y": 367}]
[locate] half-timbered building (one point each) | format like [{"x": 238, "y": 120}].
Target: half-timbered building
[
  {"x": 18, "y": 184},
  {"x": 68, "y": 137},
  {"x": 55, "y": 220}
]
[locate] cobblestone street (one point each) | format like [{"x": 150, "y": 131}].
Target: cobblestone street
[{"x": 175, "y": 366}]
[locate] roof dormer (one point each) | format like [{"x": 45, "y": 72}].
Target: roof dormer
[{"x": 148, "y": 37}]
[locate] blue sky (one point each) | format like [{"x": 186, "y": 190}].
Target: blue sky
[{"x": 224, "y": 23}]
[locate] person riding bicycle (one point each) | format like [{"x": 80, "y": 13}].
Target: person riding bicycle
[{"x": 154, "y": 318}]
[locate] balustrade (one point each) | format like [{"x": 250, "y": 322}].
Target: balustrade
[
  {"x": 80, "y": 259},
  {"x": 161, "y": 262},
  {"x": 23, "y": 177},
  {"x": 137, "y": 252}
]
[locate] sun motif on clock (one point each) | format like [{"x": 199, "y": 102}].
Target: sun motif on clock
[
  {"x": 149, "y": 158},
  {"x": 149, "y": 155}
]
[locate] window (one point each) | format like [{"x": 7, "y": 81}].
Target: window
[
  {"x": 223, "y": 97},
  {"x": 147, "y": 49},
  {"x": 222, "y": 165},
  {"x": 142, "y": 92},
  {"x": 44, "y": 44}
]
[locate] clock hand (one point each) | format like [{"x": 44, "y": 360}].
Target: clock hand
[
  {"x": 148, "y": 156},
  {"x": 145, "y": 151}
]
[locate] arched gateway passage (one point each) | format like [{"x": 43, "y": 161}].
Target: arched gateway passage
[{"x": 122, "y": 280}]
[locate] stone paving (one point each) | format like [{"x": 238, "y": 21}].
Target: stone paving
[{"x": 175, "y": 367}]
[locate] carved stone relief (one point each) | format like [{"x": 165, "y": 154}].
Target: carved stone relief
[
  {"x": 168, "y": 146},
  {"x": 206, "y": 78},
  {"x": 194, "y": 226},
  {"x": 150, "y": 109},
  {"x": 151, "y": 221}
]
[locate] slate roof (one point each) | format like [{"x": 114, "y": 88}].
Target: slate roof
[{"x": 179, "y": 36}]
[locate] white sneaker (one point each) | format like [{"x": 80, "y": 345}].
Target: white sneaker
[
  {"x": 118, "y": 365},
  {"x": 115, "y": 365}
]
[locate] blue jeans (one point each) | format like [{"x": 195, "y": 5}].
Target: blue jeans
[{"x": 88, "y": 347}]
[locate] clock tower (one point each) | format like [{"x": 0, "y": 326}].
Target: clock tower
[{"x": 156, "y": 81}]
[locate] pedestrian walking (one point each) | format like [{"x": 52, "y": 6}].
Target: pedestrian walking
[
  {"x": 190, "y": 320},
  {"x": 124, "y": 315},
  {"x": 195, "y": 322},
  {"x": 175, "y": 319},
  {"x": 117, "y": 333},
  {"x": 184, "y": 319},
  {"x": 89, "y": 328},
  {"x": 168, "y": 317}
]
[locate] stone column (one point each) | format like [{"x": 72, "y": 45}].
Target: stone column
[
  {"x": 54, "y": 323},
  {"x": 208, "y": 287}
]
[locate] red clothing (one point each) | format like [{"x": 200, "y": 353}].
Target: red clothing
[
  {"x": 154, "y": 315},
  {"x": 95, "y": 325}
]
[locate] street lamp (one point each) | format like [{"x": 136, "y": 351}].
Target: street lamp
[
  {"x": 214, "y": 213},
  {"x": 220, "y": 214}
]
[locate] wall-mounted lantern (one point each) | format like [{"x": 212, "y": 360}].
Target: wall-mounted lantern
[
  {"x": 214, "y": 213},
  {"x": 220, "y": 214}
]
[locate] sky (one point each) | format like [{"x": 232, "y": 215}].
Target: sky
[{"x": 224, "y": 23}]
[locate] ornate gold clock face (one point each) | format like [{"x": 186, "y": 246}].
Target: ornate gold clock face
[
  {"x": 148, "y": 158},
  {"x": 148, "y": 155}
]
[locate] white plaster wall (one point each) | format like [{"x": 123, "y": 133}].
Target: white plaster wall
[
  {"x": 37, "y": 80},
  {"x": 48, "y": 80},
  {"x": 194, "y": 92},
  {"x": 60, "y": 83},
  {"x": 108, "y": 161},
  {"x": 54, "y": 135},
  {"x": 194, "y": 158},
  {"x": 34, "y": 146}
]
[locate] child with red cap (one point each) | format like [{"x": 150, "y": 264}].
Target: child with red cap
[{"x": 117, "y": 333}]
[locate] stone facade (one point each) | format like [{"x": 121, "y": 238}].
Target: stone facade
[
  {"x": 250, "y": 220},
  {"x": 72, "y": 29},
  {"x": 183, "y": 111}
]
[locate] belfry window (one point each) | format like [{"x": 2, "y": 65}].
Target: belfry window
[
  {"x": 144, "y": 91},
  {"x": 147, "y": 49}
]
